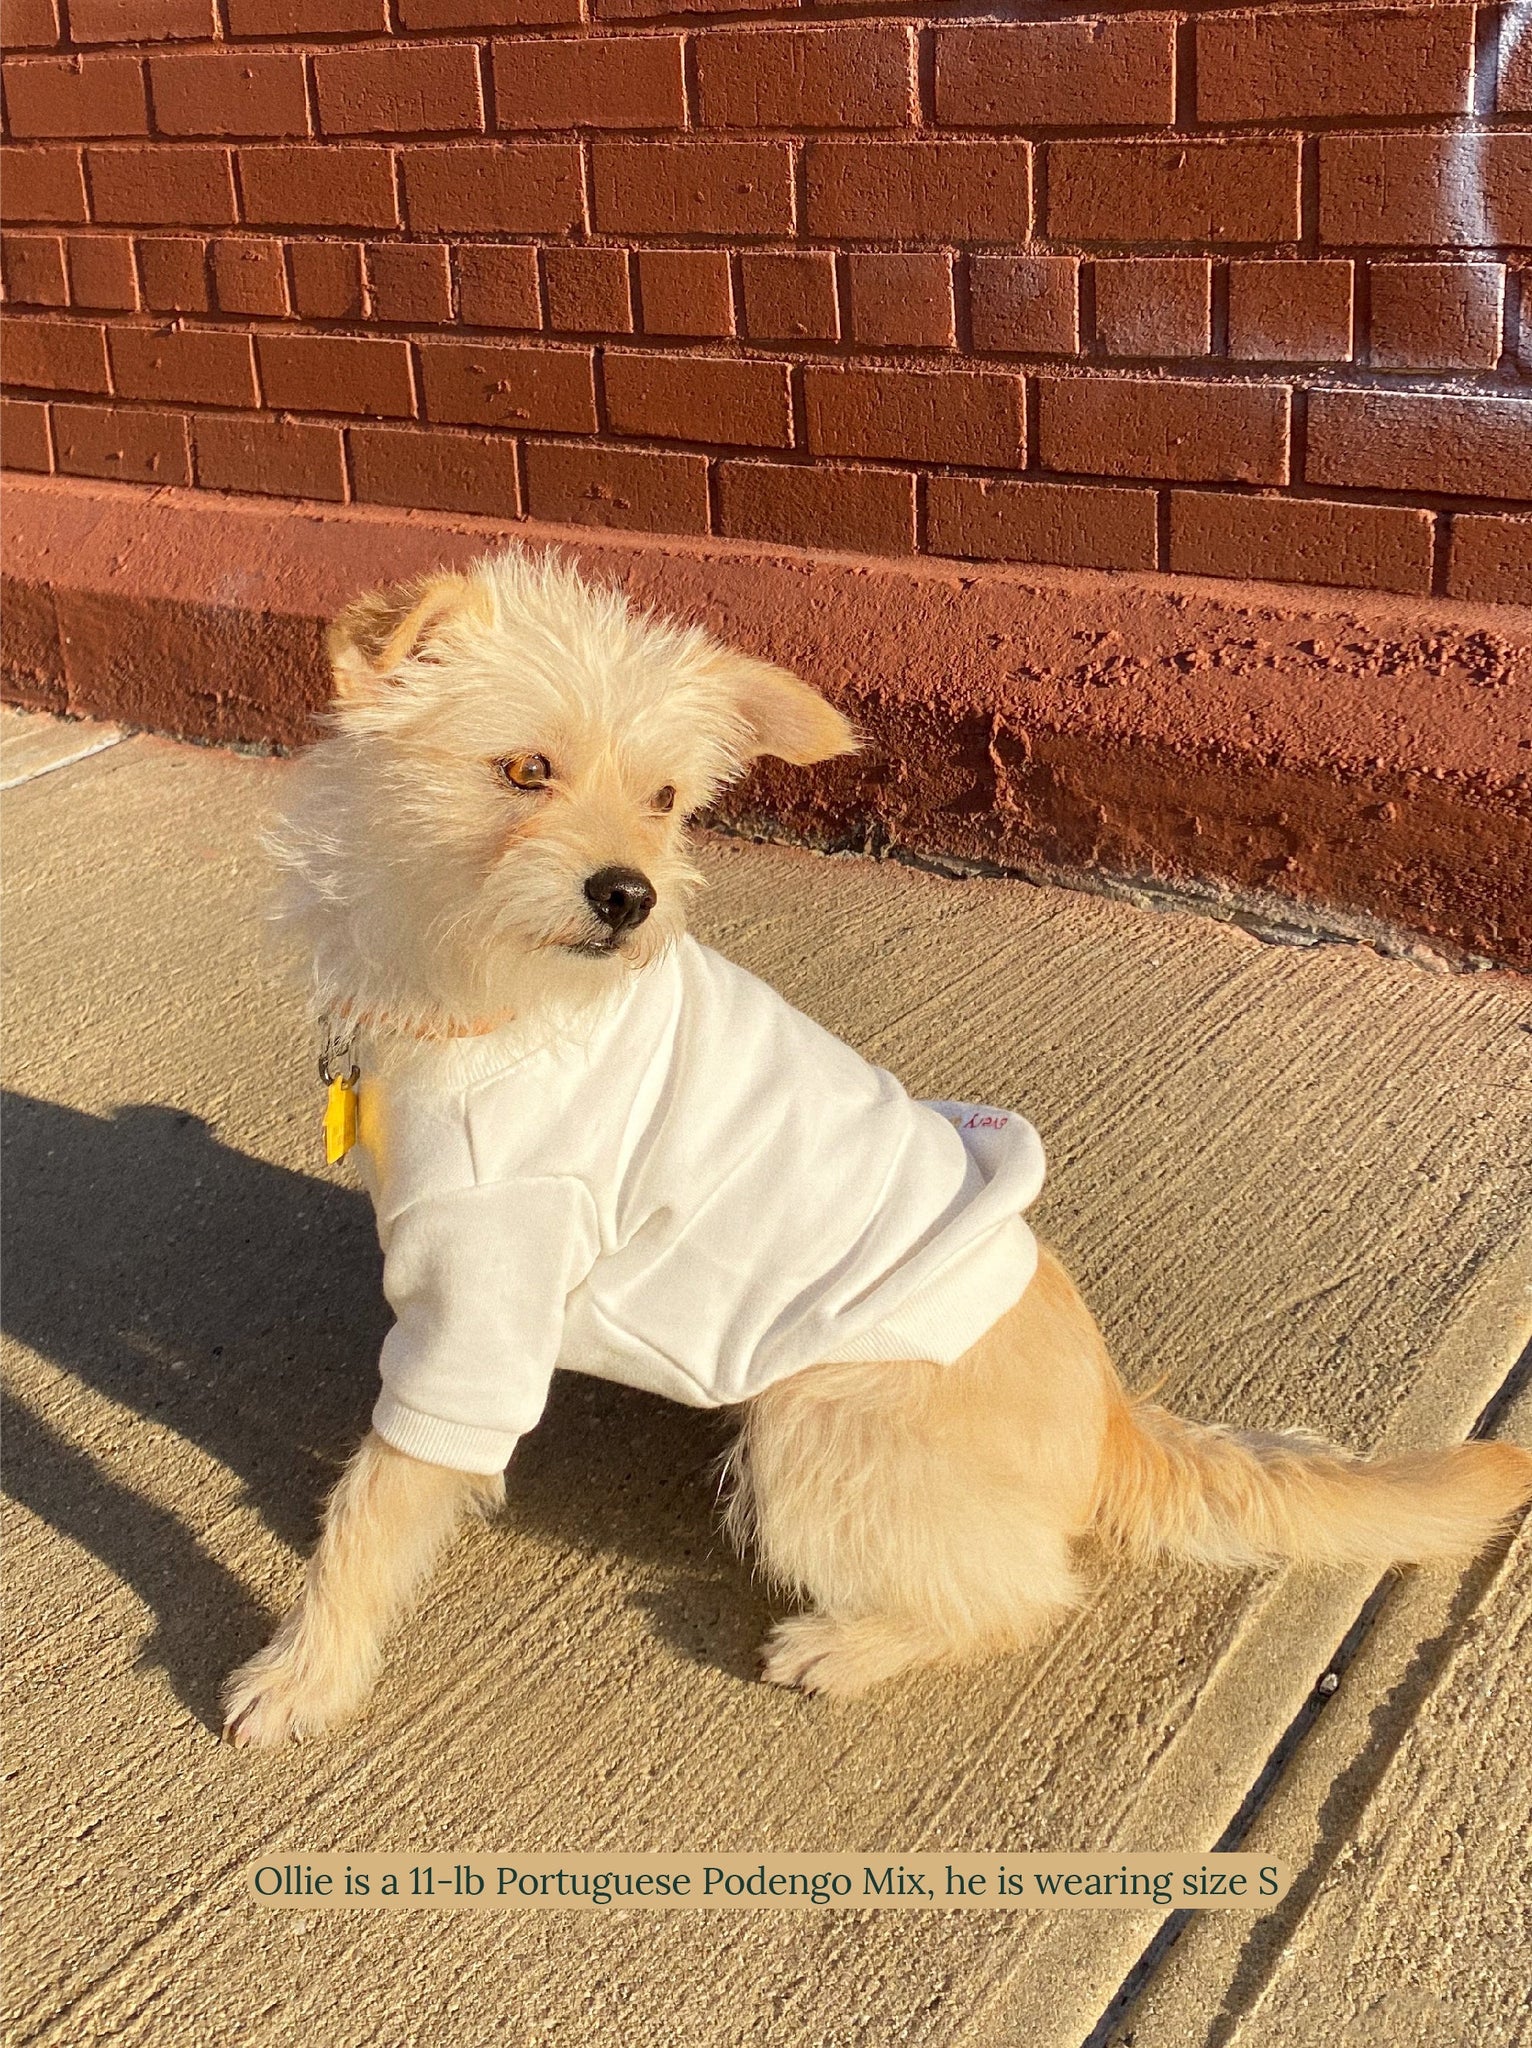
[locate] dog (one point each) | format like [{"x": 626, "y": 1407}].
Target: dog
[{"x": 593, "y": 1143}]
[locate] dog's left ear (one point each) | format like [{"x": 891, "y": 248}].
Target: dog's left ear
[{"x": 784, "y": 716}]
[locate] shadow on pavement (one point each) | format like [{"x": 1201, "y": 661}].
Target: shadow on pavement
[{"x": 240, "y": 1305}]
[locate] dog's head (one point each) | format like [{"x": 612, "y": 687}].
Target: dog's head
[{"x": 497, "y": 820}]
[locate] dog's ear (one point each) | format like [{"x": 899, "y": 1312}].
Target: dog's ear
[
  {"x": 784, "y": 716},
  {"x": 376, "y": 633}
]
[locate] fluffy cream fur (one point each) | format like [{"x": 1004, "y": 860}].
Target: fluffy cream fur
[
  {"x": 922, "y": 1512},
  {"x": 420, "y": 886}
]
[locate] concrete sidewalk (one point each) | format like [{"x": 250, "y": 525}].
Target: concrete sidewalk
[{"x": 1297, "y": 1182}]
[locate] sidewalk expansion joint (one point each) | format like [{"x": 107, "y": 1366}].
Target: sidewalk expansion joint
[{"x": 1365, "y": 1771}]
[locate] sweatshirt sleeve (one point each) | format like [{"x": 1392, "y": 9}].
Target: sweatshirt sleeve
[{"x": 478, "y": 1280}]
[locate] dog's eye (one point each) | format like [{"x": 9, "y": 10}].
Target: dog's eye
[
  {"x": 663, "y": 799},
  {"x": 525, "y": 771}
]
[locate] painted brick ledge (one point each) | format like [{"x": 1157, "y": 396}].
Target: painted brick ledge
[{"x": 1345, "y": 753}]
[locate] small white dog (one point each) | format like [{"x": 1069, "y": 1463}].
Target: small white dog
[{"x": 593, "y": 1143}]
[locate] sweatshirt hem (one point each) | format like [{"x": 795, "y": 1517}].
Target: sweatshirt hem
[{"x": 950, "y": 1313}]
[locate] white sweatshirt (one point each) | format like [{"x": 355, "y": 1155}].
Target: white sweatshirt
[{"x": 699, "y": 1194}]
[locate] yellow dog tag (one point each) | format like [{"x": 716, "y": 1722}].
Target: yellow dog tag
[{"x": 339, "y": 1119}]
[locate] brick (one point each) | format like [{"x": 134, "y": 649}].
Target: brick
[
  {"x": 55, "y": 355},
  {"x": 1514, "y": 95},
  {"x": 229, "y": 92},
  {"x": 414, "y": 14},
  {"x": 1435, "y": 316},
  {"x": 492, "y": 384},
  {"x": 1184, "y": 191},
  {"x": 861, "y": 511},
  {"x": 272, "y": 458},
  {"x": 410, "y": 281},
  {"x": 791, "y": 296},
  {"x": 1490, "y": 560},
  {"x": 1409, "y": 191},
  {"x": 172, "y": 273},
  {"x": 307, "y": 17},
  {"x": 445, "y": 472},
  {"x": 1078, "y": 526},
  {"x": 497, "y": 285},
  {"x": 1057, "y": 74},
  {"x": 34, "y": 269},
  {"x": 494, "y": 188},
  {"x": 134, "y": 21},
  {"x": 1290, "y": 312},
  {"x": 30, "y": 25},
  {"x": 43, "y": 185},
  {"x": 131, "y": 447},
  {"x": 1158, "y": 427},
  {"x": 101, "y": 272},
  {"x": 972, "y": 416},
  {"x": 76, "y": 96},
  {"x": 184, "y": 366},
  {"x": 686, "y": 291},
  {"x": 692, "y": 188},
  {"x": 336, "y": 373},
  {"x": 588, "y": 291},
  {"x": 24, "y": 442},
  {"x": 861, "y": 75},
  {"x": 919, "y": 191},
  {"x": 1155, "y": 305},
  {"x": 315, "y": 187},
  {"x": 1415, "y": 441},
  {"x": 580, "y": 82},
  {"x": 430, "y": 90},
  {"x": 1300, "y": 540},
  {"x": 901, "y": 300},
  {"x": 700, "y": 398},
  {"x": 249, "y": 275},
  {"x": 32, "y": 650},
  {"x": 160, "y": 187},
  {"x": 1327, "y": 64},
  {"x": 1026, "y": 305},
  {"x": 327, "y": 280},
  {"x": 659, "y": 491}
]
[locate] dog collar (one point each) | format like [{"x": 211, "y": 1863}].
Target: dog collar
[{"x": 340, "y": 1070}]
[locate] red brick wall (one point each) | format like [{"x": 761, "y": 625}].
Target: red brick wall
[{"x": 1232, "y": 293}]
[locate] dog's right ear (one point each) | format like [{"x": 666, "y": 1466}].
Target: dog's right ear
[{"x": 378, "y": 632}]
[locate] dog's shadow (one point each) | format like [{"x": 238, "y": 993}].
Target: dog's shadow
[{"x": 238, "y": 1305}]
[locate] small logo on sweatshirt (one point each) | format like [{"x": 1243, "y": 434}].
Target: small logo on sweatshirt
[{"x": 966, "y": 1119}]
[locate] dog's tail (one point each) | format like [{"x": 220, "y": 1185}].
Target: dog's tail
[{"x": 1234, "y": 1497}]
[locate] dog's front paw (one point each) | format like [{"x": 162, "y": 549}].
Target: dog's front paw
[
  {"x": 271, "y": 1700},
  {"x": 818, "y": 1654}
]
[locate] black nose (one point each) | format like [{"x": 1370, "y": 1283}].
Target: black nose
[{"x": 620, "y": 897}]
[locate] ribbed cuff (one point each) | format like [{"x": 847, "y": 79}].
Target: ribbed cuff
[{"x": 460, "y": 1445}]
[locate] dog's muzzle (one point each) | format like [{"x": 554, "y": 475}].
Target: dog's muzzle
[{"x": 621, "y": 897}]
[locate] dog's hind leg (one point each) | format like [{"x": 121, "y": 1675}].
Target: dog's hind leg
[
  {"x": 387, "y": 1521},
  {"x": 845, "y": 1654},
  {"x": 926, "y": 1511},
  {"x": 823, "y": 1652}
]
